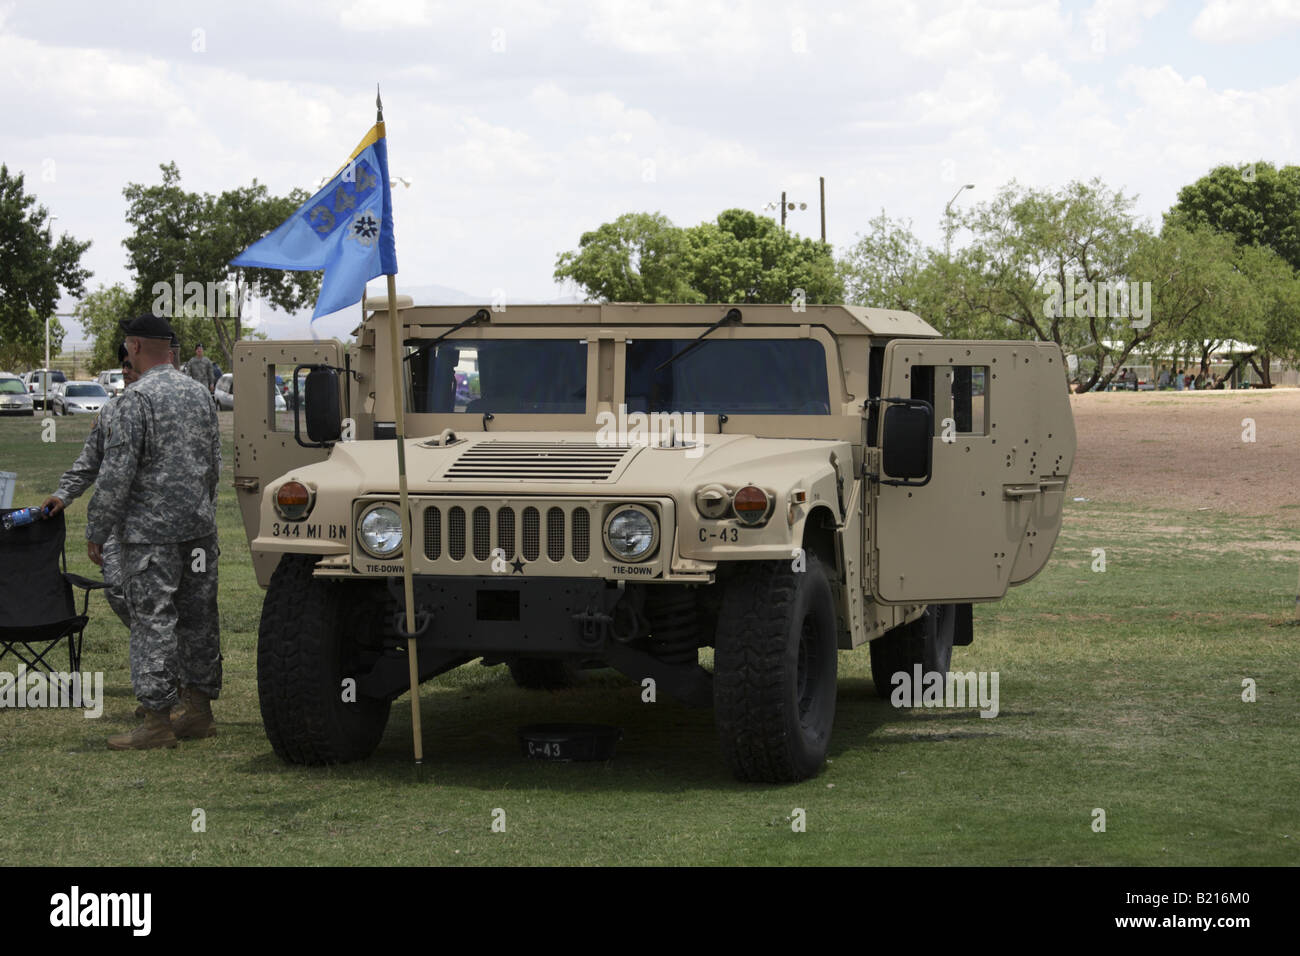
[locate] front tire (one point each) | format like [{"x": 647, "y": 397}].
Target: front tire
[
  {"x": 775, "y": 666},
  {"x": 314, "y": 634}
]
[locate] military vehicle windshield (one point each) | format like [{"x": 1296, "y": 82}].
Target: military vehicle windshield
[
  {"x": 500, "y": 376},
  {"x": 728, "y": 376}
]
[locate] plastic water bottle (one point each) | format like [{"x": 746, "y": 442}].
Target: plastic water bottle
[{"x": 22, "y": 516}]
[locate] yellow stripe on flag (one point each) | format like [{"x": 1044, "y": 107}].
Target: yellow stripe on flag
[{"x": 375, "y": 135}]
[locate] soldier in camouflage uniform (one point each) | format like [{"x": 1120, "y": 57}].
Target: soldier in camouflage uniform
[
  {"x": 80, "y": 477},
  {"x": 201, "y": 369},
  {"x": 157, "y": 488}
]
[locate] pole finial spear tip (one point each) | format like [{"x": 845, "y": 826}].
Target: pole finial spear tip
[{"x": 379, "y": 105}]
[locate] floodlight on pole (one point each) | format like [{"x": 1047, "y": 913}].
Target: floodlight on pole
[{"x": 947, "y": 215}]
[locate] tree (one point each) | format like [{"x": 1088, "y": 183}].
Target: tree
[
  {"x": 635, "y": 258},
  {"x": 741, "y": 257},
  {"x": 1197, "y": 295},
  {"x": 181, "y": 238},
  {"x": 744, "y": 257},
  {"x": 99, "y": 314},
  {"x": 1257, "y": 204},
  {"x": 33, "y": 270},
  {"x": 1270, "y": 311},
  {"x": 881, "y": 270},
  {"x": 1258, "y": 208}
]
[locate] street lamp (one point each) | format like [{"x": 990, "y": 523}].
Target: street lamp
[
  {"x": 45, "y": 376},
  {"x": 947, "y": 215}
]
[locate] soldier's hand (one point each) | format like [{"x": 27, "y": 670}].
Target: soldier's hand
[
  {"x": 52, "y": 506},
  {"x": 96, "y": 553}
]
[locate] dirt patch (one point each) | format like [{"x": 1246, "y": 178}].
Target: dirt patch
[{"x": 1185, "y": 450}]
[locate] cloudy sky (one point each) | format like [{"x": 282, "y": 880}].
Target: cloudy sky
[{"x": 521, "y": 125}]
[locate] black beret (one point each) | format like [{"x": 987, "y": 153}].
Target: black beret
[{"x": 147, "y": 326}]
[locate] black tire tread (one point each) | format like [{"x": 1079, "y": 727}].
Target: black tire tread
[
  {"x": 298, "y": 700},
  {"x": 749, "y": 676}
]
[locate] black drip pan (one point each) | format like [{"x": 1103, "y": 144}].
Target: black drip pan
[{"x": 565, "y": 742}]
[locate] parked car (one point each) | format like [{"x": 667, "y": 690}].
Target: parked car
[
  {"x": 224, "y": 393},
  {"x": 14, "y": 399},
  {"x": 41, "y": 380},
  {"x": 78, "y": 398},
  {"x": 112, "y": 381}
]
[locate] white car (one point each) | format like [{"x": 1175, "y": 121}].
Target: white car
[
  {"x": 14, "y": 398},
  {"x": 224, "y": 393},
  {"x": 112, "y": 381},
  {"x": 41, "y": 380},
  {"x": 78, "y": 398}
]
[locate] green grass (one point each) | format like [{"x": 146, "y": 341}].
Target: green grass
[{"x": 1119, "y": 690}]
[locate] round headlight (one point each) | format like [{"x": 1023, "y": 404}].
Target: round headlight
[
  {"x": 630, "y": 534},
  {"x": 380, "y": 531}
]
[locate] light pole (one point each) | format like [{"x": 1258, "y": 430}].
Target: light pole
[
  {"x": 45, "y": 375},
  {"x": 783, "y": 206},
  {"x": 947, "y": 215}
]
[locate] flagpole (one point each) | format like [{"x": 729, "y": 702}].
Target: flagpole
[{"x": 399, "y": 425}]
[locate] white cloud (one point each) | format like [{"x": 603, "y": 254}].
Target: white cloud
[
  {"x": 1234, "y": 21},
  {"x": 377, "y": 15}
]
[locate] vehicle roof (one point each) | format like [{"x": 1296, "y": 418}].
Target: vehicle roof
[{"x": 840, "y": 319}]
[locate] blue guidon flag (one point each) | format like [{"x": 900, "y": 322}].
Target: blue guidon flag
[{"x": 345, "y": 229}]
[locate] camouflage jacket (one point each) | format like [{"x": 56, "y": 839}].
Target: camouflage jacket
[
  {"x": 162, "y": 457},
  {"x": 85, "y": 469},
  {"x": 201, "y": 369}
]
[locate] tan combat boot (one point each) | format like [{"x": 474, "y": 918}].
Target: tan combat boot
[
  {"x": 156, "y": 731},
  {"x": 193, "y": 716}
]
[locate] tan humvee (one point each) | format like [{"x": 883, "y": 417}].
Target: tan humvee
[{"x": 621, "y": 485}]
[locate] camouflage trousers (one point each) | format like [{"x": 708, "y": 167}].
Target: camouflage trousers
[
  {"x": 171, "y": 591},
  {"x": 113, "y": 578}
]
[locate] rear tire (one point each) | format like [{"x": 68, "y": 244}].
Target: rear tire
[
  {"x": 926, "y": 641},
  {"x": 312, "y": 637},
  {"x": 774, "y": 671}
]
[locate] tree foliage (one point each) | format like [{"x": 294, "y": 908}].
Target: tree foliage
[
  {"x": 741, "y": 257},
  {"x": 99, "y": 314},
  {"x": 1258, "y": 205},
  {"x": 194, "y": 236},
  {"x": 34, "y": 271}
]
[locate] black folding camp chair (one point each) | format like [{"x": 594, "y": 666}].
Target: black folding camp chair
[{"x": 37, "y": 608}]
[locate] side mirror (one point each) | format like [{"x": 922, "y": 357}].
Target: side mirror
[
  {"x": 320, "y": 403},
  {"x": 906, "y": 443}
]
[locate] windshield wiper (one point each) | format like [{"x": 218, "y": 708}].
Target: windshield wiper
[
  {"x": 482, "y": 315},
  {"x": 731, "y": 317}
]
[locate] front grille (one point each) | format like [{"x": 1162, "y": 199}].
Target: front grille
[
  {"x": 506, "y": 531},
  {"x": 482, "y": 532},
  {"x": 532, "y": 534},
  {"x": 555, "y": 534},
  {"x": 475, "y": 532},
  {"x": 456, "y": 534},
  {"x": 537, "y": 461},
  {"x": 432, "y": 533},
  {"x": 581, "y": 534}
]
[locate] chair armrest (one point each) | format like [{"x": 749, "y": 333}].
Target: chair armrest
[{"x": 86, "y": 584}]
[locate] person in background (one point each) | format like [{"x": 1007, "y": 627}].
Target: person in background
[{"x": 201, "y": 369}]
